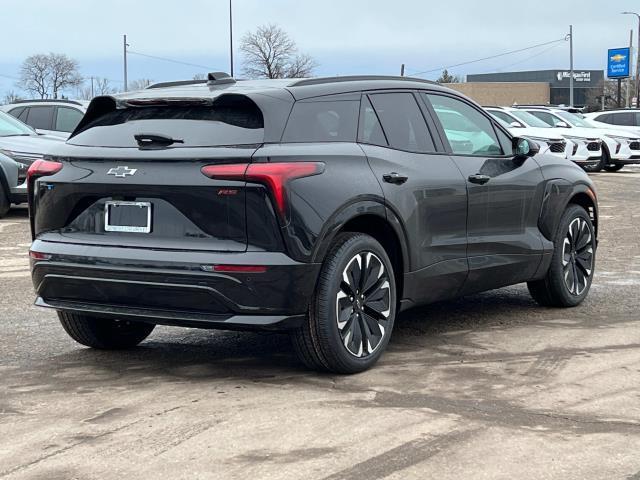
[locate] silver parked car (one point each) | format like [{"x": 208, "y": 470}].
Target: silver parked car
[
  {"x": 20, "y": 146},
  {"x": 51, "y": 117}
]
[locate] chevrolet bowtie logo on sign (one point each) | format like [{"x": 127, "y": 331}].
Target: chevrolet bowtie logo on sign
[
  {"x": 122, "y": 172},
  {"x": 618, "y": 58}
]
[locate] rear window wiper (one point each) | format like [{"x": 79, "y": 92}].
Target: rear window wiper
[{"x": 150, "y": 141}]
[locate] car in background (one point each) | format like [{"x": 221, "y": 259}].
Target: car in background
[
  {"x": 50, "y": 117},
  {"x": 624, "y": 119},
  {"x": 522, "y": 123},
  {"x": 619, "y": 148},
  {"x": 20, "y": 146}
]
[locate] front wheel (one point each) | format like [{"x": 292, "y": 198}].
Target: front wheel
[
  {"x": 569, "y": 278},
  {"x": 5, "y": 204},
  {"x": 352, "y": 312},
  {"x": 102, "y": 333}
]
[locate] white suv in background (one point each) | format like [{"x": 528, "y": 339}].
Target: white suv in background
[
  {"x": 51, "y": 117},
  {"x": 620, "y": 147},
  {"x": 580, "y": 150},
  {"x": 628, "y": 119}
]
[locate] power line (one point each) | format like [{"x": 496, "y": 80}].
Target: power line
[
  {"x": 439, "y": 69},
  {"x": 529, "y": 58},
  {"x": 171, "y": 60}
]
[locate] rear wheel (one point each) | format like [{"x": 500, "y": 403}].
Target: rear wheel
[
  {"x": 102, "y": 333},
  {"x": 614, "y": 167},
  {"x": 569, "y": 278},
  {"x": 5, "y": 204},
  {"x": 352, "y": 313}
]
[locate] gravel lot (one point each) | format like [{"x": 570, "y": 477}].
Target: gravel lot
[{"x": 490, "y": 386}]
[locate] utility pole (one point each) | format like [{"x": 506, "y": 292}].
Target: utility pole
[
  {"x": 637, "y": 89},
  {"x": 628, "y": 99},
  {"x": 571, "y": 65},
  {"x": 231, "y": 36},
  {"x": 125, "y": 45},
  {"x": 402, "y": 70}
]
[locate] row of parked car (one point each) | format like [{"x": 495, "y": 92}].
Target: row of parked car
[
  {"x": 596, "y": 141},
  {"x": 602, "y": 140}
]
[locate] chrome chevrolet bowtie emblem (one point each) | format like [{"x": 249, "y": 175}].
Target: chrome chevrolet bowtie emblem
[{"x": 122, "y": 172}]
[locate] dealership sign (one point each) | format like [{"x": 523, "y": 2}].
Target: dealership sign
[
  {"x": 577, "y": 76},
  {"x": 618, "y": 63}
]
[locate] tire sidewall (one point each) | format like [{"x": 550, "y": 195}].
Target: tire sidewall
[
  {"x": 557, "y": 271},
  {"x": 328, "y": 291}
]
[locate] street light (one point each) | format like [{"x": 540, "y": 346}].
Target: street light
[{"x": 637, "y": 60}]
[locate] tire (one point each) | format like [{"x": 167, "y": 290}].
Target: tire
[
  {"x": 348, "y": 326},
  {"x": 5, "y": 204},
  {"x": 613, "y": 168},
  {"x": 574, "y": 257},
  {"x": 604, "y": 160},
  {"x": 102, "y": 333}
]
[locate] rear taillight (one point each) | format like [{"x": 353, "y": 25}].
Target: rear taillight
[
  {"x": 42, "y": 168},
  {"x": 275, "y": 176}
]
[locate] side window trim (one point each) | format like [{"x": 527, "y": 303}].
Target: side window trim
[
  {"x": 364, "y": 100},
  {"x": 479, "y": 110}
]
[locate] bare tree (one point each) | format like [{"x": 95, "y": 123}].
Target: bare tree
[
  {"x": 270, "y": 53},
  {"x": 35, "y": 75},
  {"x": 140, "y": 84},
  {"x": 63, "y": 73},
  {"x": 48, "y": 75},
  {"x": 96, "y": 86},
  {"x": 11, "y": 97}
]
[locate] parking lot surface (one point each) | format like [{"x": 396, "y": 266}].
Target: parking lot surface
[{"x": 490, "y": 386}]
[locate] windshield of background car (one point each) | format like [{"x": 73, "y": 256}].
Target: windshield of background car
[
  {"x": 574, "y": 120},
  {"x": 10, "y": 127},
  {"x": 529, "y": 119}
]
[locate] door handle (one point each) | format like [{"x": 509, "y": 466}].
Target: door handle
[
  {"x": 395, "y": 178},
  {"x": 479, "y": 178}
]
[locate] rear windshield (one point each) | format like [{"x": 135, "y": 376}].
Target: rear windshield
[{"x": 227, "y": 123}]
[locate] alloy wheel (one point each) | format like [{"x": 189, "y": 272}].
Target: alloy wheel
[
  {"x": 577, "y": 256},
  {"x": 363, "y": 304}
]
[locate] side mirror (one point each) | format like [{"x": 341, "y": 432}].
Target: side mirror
[
  {"x": 524, "y": 148},
  {"x": 562, "y": 125},
  {"x": 516, "y": 125}
]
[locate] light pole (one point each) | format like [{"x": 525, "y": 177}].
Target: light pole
[
  {"x": 571, "y": 65},
  {"x": 125, "y": 45},
  {"x": 637, "y": 60},
  {"x": 231, "y": 36}
]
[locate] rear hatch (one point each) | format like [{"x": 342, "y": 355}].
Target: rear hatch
[{"x": 132, "y": 176}]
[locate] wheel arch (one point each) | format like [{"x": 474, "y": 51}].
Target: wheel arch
[
  {"x": 558, "y": 194},
  {"x": 374, "y": 219}
]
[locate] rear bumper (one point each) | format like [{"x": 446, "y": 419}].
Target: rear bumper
[{"x": 171, "y": 287}]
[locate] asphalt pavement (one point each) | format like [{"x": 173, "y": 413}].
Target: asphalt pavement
[{"x": 487, "y": 387}]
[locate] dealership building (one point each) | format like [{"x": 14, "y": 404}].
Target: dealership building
[{"x": 533, "y": 87}]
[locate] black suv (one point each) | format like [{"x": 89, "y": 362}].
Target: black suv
[{"x": 322, "y": 207}]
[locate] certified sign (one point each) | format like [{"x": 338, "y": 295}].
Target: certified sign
[{"x": 618, "y": 63}]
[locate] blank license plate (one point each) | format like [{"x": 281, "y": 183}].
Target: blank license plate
[{"x": 127, "y": 217}]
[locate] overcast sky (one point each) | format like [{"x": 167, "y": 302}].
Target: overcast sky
[{"x": 344, "y": 36}]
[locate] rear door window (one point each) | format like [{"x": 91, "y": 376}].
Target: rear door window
[
  {"x": 67, "y": 119},
  {"x": 226, "y": 122},
  {"x": 323, "y": 121},
  {"x": 23, "y": 115},
  {"x": 604, "y": 118},
  {"x": 403, "y": 122},
  {"x": 15, "y": 112},
  {"x": 626, "y": 118},
  {"x": 40, "y": 117},
  {"x": 370, "y": 129}
]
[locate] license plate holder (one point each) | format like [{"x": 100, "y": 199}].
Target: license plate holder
[{"x": 130, "y": 217}]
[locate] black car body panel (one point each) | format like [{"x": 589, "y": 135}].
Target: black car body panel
[{"x": 235, "y": 251}]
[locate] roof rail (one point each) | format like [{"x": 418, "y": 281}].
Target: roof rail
[
  {"x": 355, "y": 78},
  {"x": 175, "y": 83},
  {"x": 41, "y": 100}
]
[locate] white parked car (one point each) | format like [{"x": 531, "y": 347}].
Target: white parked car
[
  {"x": 620, "y": 147},
  {"x": 50, "y": 117},
  {"x": 628, "y": 119},
  {"x": 584, "y": 151}
]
